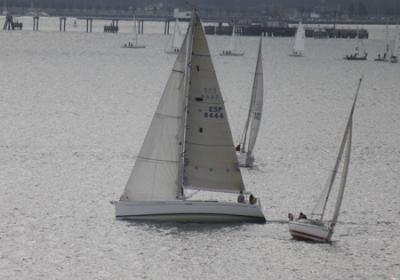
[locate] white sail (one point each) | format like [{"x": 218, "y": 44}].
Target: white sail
[
  {"x": 136, "y": 42},
  {"x": 395, "y": 50},
  {"x": 339, "y": 198},
  {"x": 155, "y": 174},
  {"x": 299, "y": 40},
  {"x": 175, "y": 40},
  {"x": 232, "y": 44},
  {"x": 210, "y": 159},
  {"x": 255, "y": 109}
]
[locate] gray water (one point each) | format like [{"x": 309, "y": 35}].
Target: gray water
[{"x": 74, "y": 109}]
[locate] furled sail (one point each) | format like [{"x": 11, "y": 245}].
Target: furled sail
[
  {"x": 155, "y": 174},
  {"x": 255, "y": 110},
  {"x": 210, "y": 159}
]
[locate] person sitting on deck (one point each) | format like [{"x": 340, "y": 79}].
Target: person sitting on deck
[
  {"x": 302, "y": 216},
  {"x": 252, "y": 199},
  {"x": 291, "y": 217},
  {"x": 241, "y": 198}
]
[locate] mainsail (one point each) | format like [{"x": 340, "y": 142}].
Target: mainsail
[
  {"x": 299, "y": 40},
  {"x": 154, "y": 176},
  {"x": 255, "y": 109},
  {"x": 320, "y": 207},
  {"x": 395, "y": 49},
  {"x": 210, "y": 159},
  {"x": 175, "y": 40}
]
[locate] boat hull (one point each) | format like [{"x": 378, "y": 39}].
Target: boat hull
[
  {"x": 244, "y": 160},
  {"x": 189, "y": 211},
  {"x": 306, "y": 230},
  {"x": 232, "y": 54}
]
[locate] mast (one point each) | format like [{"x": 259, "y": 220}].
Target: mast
[
  {"x": 341, "y": 150},
  {"x": 186, "y": 84}
]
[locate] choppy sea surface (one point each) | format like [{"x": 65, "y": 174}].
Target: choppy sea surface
[{"x": 74, "y": 109}]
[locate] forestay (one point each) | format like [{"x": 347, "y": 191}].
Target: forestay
[
  {"x": 154, "y": 176},
  {"x": 210, "y": 159}
]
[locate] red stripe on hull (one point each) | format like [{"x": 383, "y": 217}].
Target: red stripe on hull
[{"x": 306, "y": 236}]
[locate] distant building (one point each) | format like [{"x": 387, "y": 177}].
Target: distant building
[{"x": 182, "y": 15}]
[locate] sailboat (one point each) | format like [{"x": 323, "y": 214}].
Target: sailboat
[
  {"x": 135, "y": 44},
  {"x": 359, "y": 51},
  {"x": 233, "y": 48},
  {"x": 318, "y": 229},
  {"x": 188, "y": 146},
  {"x": 174, "y": 42},
  {"x": 299, "y": 41},
  {"x": 395, "y": 49},
  {"x": 252, "y": 126},
  {"x": 384, "y": 57}
]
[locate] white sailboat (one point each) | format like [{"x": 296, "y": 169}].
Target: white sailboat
[
  {"x": 135, "y": 44},
  {"x": 189, "y": 145},
  {"x": 299, "y": 41},
  {"x": 318, "y": 229},
  {"x": 175, "y": 41},
  {"x": 360, "y": 52},
  {"x": 384, "y": 57},
  {"x": 252, "y": 126},
  {"x": 395, "y": 49},
  {"x": 233, "y": 48}
]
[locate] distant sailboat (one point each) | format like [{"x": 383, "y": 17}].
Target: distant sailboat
[
  {"x": 135, "y": 44},
  {"x": 384, "y": 57},
  {"x": 395, "y": 49},
  {"x": 233, "y": 49},
  {"x": 359, "y": 51},
  {"x": 319, "y": 229},
  {"x": 299, "y": 41},
  {"x": 252, "y": 126},
  {"x": 189, "y": 145},
  {"x": 175, "y": 41}
]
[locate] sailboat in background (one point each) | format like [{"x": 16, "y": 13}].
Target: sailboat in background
[
  {"x": 318, "y": 229},
  {"x": 395, "y": 49},
  {"x": 175, "y": 41},
  {"x": 135, "y": 44},
  {"x": 252, "y": 126},
  {"x": 384, "y": 56},
  {"x": 188, "y": 146},
  {"x": 299, "y": 41},
  {"x": 233, "y": 48},
  {"x": 359, "y": 51}
]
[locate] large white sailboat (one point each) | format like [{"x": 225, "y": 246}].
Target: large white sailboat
[
  {"x": 299, "y": 43},
  {"x": 175, "y": 41},
  {"x": 253, "y": 121},
  {"x": 395, "y": 49},
  {"x": 136, "y": 43},
  {"x": 189, "y": 145},
  {"x": 233, "y": 48},
  {"x": 318, "y": 228}
]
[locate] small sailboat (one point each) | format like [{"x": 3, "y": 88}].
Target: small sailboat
[
  {"x": 395, "y": 49},
  {"x": 233, "y": 49},
  {"x": 299, "y": 41},
  {"x": 135, "y": 44},
  {"x": 359, "y": 51},
  {"x": 175, "y": 41},
  {"x": 252, "y": 126},
  {"x": 384, "y": 57},
  {"x": 188, "y": 146},
  {"x": 318, "y": 229}
]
